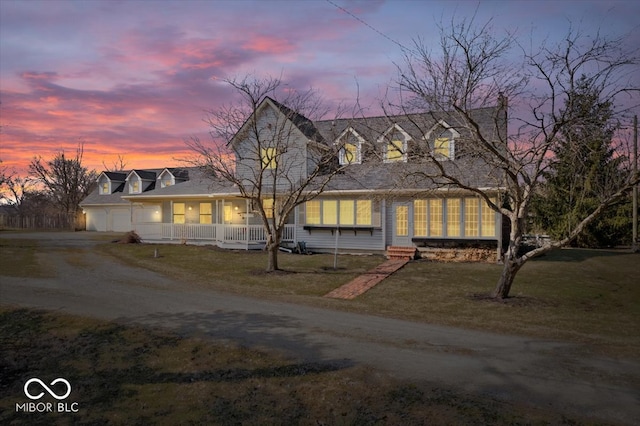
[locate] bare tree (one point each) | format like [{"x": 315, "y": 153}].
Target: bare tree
[
  {"x": 65, "y": 180},
  {"x": 118, "y": 165},
  {"x": 471, "y": 69},
  {"x": 270, "y": 151}
]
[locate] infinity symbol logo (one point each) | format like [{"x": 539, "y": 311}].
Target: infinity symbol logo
[{"x": 52, "y": 393}]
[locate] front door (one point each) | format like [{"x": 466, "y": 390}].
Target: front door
[{"x": 402, "y": 229}]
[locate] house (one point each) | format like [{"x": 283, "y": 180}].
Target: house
[{"x": 381, "y": 197}]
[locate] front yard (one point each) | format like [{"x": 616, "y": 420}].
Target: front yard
[{"x": 585, "y": 296}]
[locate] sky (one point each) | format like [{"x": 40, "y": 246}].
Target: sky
[{"x": 134, "y": 78}]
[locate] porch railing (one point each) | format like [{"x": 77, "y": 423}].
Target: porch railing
[{"x": 214, "y": 232}]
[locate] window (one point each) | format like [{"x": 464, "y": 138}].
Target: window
[
  {"x": 105, "y": 188},
  {"x": 228, "y": 213},
  {"x": 339, "y": 212},
  {"x": 363, "y": 212},
  {"x": 178, "y": 213},
  {"x": 205, "y": 213},
  {"x": 402, "y": 220},
  {"x": 488, "y": 228},
  {"x": 435, "y": 218},
  {"x": 135, "y": 186},
  {"x": 267, "y": 205},
  {"x": 330, "y": 212},
  {"x": 313, "y": 212},
  {"x": 471, "y": 217},
  {"x": 420, "y": 218},
  {"x": 347, "y": 214},
  {"x": 442, "y": 147},
  {"x": 349, "y": 154},
  {"x": 167, "y": 182},
  {"x": 453, "y": 217},
  {"x": 268, "y": 158},
  {"x": 395, "y": 151}
]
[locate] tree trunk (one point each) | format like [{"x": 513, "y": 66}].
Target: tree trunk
[
  {"x": 511, "y": 268},
  {"x": 272, "y": 263},
  {"x": 273, "y": 245}
]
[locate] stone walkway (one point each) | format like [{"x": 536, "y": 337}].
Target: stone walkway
[{"x": 368, "y": 280}]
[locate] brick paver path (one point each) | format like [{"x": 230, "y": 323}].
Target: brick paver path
[{"x": 366, "y": 281}]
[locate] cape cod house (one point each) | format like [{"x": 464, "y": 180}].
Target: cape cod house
[{"x": 382, "y": 197}]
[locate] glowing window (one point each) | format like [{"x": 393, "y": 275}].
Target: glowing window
[
  {"x": 347, "y": 213},
  {"x": 488, "y": 228},
  {"x": 349, "y": 154},
  {"x": 267, "y": 205},
  {"x": 363, "y": 212},
  {"x": 435, "y": 218},
  {"x": 178, "y": 213},
  {"x": 453, "y": 217},
  {"x": 395, "y": 151},
  {"x": 402, "y": 220},
  {"x": 471, "y": 207},
  {"x": 420, "y": 218},
  {"x": 313, "y": 212},
  {"x": 330, "y": 212},
  {"x": 268, "y": 158},
  {"x": 205, "y": 213},
  {"x": 442, "y": 147},
  {"x": 105, "y": 188}
]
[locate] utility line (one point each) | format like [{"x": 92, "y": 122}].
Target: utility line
[{"x": 367, "y": 25}]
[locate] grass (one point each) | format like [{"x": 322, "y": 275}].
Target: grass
[
  {"x": 19, "y": 258},
  {"x": 138, "y": 376},
  {"x": 585, "y": 296}
]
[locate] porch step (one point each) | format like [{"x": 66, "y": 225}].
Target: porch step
[{"x": 401, "y": 252}]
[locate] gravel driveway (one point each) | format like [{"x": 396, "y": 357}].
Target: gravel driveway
[{"x": 545, "y": 373}]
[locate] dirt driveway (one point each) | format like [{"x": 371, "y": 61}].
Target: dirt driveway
[{"x": 544, "y": 373}]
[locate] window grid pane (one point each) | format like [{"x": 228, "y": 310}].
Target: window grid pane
[
  {"x": 394, "y": 151},
  {"x": 453, "y": 218},
  {"x": 268, "y": 158},
  {"x": 442, "y": 147},
  {"x": 347, "y": 214},
  {"x": 402, "y": 221},
  {"x": 205, "y": 213},
  {"x": 363, "y": 215},
  {"x": 420, "y": 218},
  {"x": 178, "y": 213},
  {"x": 488, "y": 220},
  {"x": 330, "y": 212},
  {"x": 313, "y": 212},
  {"x": 435, "y": 218},
  {"x": 471, "y": 217}
]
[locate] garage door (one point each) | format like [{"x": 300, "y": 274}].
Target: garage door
[
  {"x": 120, "y": 220},
  {"x": 96, "y": 219}
]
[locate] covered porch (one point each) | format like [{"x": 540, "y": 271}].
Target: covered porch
[{"x": 232, "y": 236}]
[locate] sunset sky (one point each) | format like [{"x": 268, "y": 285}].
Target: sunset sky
[{"x": 134, "y": 77}]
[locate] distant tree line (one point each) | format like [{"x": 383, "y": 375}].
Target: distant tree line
[{"x": 50, "y": 195}]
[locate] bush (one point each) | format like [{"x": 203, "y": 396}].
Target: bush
[{"x": 130, "y": 238}]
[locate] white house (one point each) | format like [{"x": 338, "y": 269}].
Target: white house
[{"x": 381, "y": 198}]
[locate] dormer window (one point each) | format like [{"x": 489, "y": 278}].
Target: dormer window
[
  {"x": 442, "y": 147},
  {"x": 166, "y": 182},
  {"x": 442, "y": 140},
  {"x": 351, "y": 147},
  {"x": 395, "y": 143},
  {"x": 395, "y": 151},
  {"x": 104, "y": 188},
  {"x": 134, "y": 186}
]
